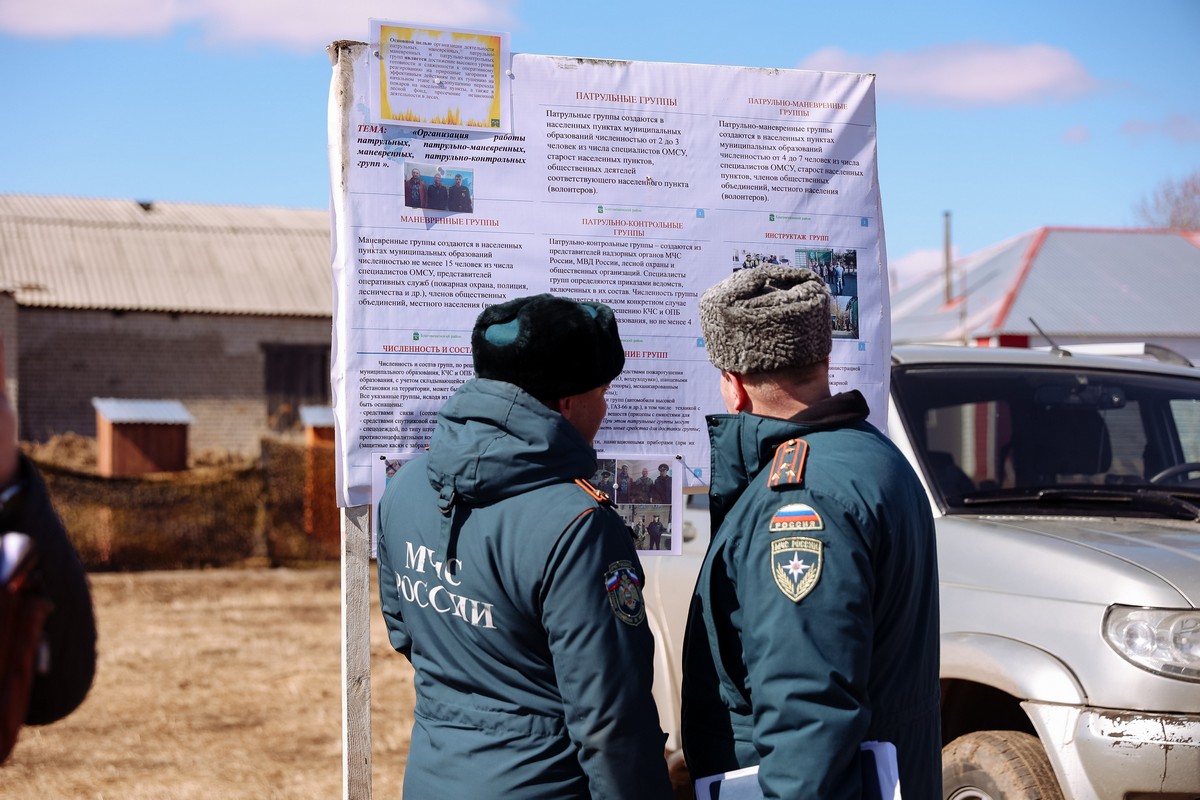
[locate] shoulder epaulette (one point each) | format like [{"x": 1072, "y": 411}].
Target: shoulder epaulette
[
  {"x": 787, "y": 468},
  {"x": 603, "y": 499},
  {"x": 600, "y": 497}
]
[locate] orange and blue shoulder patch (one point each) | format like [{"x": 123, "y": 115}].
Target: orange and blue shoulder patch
[
  {"x": 796, "y": 565},
  {"x": 796, "y": 517},
  {"x": 787, "y": 468}
]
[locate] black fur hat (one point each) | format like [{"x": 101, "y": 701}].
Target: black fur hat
[{"x": 550, "y": 346}]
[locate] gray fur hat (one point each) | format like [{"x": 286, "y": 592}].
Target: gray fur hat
[{"x": 766, "y": 318}]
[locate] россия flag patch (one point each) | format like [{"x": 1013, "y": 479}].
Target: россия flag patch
[{"x": 796, "y": 517}]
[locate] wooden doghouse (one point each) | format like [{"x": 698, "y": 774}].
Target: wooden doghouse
[
  {"x": 321, "y": 519},
  {"x": 317, "y": 422},
  {"x": 134, "y": 437}
]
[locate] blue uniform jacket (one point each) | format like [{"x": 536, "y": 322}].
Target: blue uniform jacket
[
  {"x": 814, "y": 624},
  {"x": 515, "y": 593}
]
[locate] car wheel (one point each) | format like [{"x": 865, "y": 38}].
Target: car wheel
[{"x": 997, "y": 765}]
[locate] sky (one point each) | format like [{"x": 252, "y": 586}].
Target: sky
[{"x": 1008, "y": 116}]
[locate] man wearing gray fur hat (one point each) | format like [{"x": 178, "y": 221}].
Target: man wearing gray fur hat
[
  {"x": 513, "y": 585},
  {"x": 814, "y": 623}
]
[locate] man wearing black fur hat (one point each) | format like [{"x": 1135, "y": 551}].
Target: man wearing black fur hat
[
  {"x": 814, "y": 623},
  {"x": 513, "y": 585}
]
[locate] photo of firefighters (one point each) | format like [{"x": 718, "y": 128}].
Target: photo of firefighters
[{"x": 643, "y": 490}]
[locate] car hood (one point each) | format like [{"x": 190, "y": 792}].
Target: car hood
[{"x": 1152, "y": 561}]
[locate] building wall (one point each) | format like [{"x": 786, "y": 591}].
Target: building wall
[
  {"x": 8, "y": 329},
  {"x": 213, "y": 364}
]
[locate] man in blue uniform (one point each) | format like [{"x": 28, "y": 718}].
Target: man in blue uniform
[
  {"x": 814, "y": 623},
  {"x": 513, "y": 586}
]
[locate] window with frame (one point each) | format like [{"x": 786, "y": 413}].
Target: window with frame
[{"x": 295, "y": 375}]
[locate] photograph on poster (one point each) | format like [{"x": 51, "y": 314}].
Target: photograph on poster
[
  {"x": 386, "y": 467},
  {"x": 390, "y": 467},
  {"x": 746, "y": 259},
  {"x": 648, "y": 496},
  {"x": 838, "y": 267},
  {"x": 436, "y": 187},
  {"x": 844, "y": 310}
]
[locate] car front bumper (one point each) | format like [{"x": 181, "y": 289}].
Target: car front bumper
[{"x": 1108, "y": 754}]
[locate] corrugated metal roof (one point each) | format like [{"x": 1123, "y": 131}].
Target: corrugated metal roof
[
  {"x": 316, "y": 417},
  {"x": 157, "y": 412},
  {"x": 1071, "y": 281},
  {"x": 64, "y": 252}
]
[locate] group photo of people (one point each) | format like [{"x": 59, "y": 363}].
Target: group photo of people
[
  {"x": 838, "y": 268},
  {"x": 844, "y": 313},
  {"x": 642, "y": 491},
  {"x": 651, "y": 526},
  {"x": 438, "y": 189},
  {"x": 746, "y": 259}
]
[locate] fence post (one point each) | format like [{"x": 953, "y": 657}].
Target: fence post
[{"x": 356, "y": 653}]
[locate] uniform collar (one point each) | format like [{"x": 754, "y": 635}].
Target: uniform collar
[
  {"x": 742, "y": 444},
  {"x": 844, "y": 408}
]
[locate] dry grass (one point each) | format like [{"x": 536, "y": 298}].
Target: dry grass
[{"x": 216, "y": 684}]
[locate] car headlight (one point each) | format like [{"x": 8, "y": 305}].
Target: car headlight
[{"x": 1162, "y": 640}]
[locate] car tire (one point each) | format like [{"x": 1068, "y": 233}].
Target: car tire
[{"x": 997, "y": 765}]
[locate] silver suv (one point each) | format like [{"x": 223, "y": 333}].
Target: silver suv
[{"x": 1067, "y": 496}]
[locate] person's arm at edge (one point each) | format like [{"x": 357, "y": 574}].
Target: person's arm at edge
[
  {"x": 69, "y": 632},
  {"x": 809, "y": 661},
  {"x": 604, "y": 665}
]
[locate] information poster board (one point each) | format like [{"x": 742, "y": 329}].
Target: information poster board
[{"x": 633, "y": 183}]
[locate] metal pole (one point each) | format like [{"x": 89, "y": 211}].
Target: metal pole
[{"x": 949, "y": 279}]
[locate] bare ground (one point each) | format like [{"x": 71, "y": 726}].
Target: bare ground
[{"x": 216, "y": 684}]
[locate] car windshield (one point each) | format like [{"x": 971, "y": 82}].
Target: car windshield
[{"x": 1054, "y": 438}]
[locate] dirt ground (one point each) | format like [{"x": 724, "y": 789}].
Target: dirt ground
[{"x": 216, "y": 684}]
